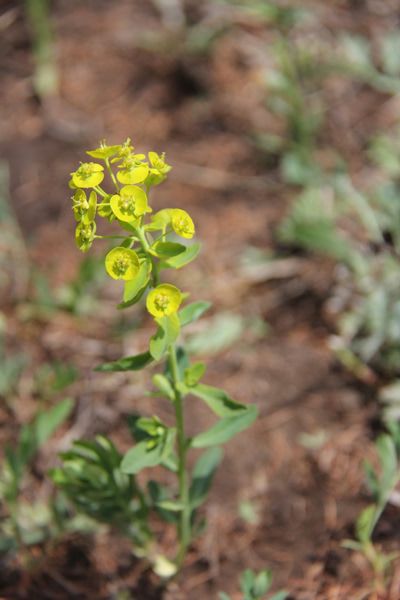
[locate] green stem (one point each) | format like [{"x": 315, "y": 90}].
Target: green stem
[
  {"x": 145, "y": 245},
  {"x": 98, "y": 189},
  {"x": 112, "y": 237},
  {"x": 184, "y": 530},
  {"x": 110, "y": 171}
]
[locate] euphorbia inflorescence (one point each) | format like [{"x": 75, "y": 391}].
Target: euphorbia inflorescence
[{"x": 147, "y": 245}]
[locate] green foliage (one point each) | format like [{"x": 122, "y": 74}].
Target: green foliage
[
  {"x": 45, "y": 76},
  {"x": 321, "y": 221},
  {"x": 92, "y": 479},
  {"x": 225, "y": 429},
  {"x": 129, "y": 363},
  {"x": 357, "y": 61},
  {"x": 202, "y": 475},
  {"x": 22, "y": 527},
  {"x": 192, "y": 312},
  {"x": 381, "y": 484},
  {"x": 96, "y": 478},
  {"x": 255, "y": 586},
  {"x": 11, "y": 370},
  {"x": 155, "y": 448}
]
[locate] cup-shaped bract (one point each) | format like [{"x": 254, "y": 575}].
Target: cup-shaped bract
[
  {"x": 133, "y": 170},
  {"x": 104, "y": 152},
  {"x": 158, "y": 170},
  {"x": 164, "y": 300},
  {"x": 130, "y": 203},
  {"x": 80, "y": 204},
  {"x": 122, "y": 263},
  {"x": 84, "y": 235},
  {"x": 88, "y": 175},
  {"x": 158, "y": 162},
  {"x": 182, "y": 223}
]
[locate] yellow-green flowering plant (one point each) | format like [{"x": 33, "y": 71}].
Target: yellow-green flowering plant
[{"x": 96, "y": 477}]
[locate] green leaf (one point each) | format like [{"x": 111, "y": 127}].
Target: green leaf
[
  {"x": 194, "y": 373},
  {"x": 192, "y": 312},
  {"x": 170, "y": 505},
  {"x": 159, "y": 494},
  {"x": 223, "y": 596},
  {"x": 225, "y": 429},
  {"x": 166, "y": 334},
  {"x": 167, "y": 250},
  {"x": 246, "y": 583},
  {"x": 183, "y": 258},
  {"x": 390, "y": 52},
  {"x": 281, "y": 595},
  {"x": 164, "y": 385},
  {"x": 372, "y": 479},
  {"x": 365, "y": 523},
  {"x": 387, "y": 455},
  {"x": 203, "y": 474},
  {"x": 128, "y": 363},
  {"x": 218, "y": 400},
  {"x": 262, "y": 583},
  {"x": 135, "y": 288},
  {"x": 352, "y": 545},
  {"x": 183, "y": 362},
  {"x": 144, "y": 455},
  {"x": 47, "y": 422}
]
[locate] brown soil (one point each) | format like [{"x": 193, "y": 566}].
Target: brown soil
[{"x": 201, "y": 109}]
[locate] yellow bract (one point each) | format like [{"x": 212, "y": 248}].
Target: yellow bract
[
  {"x": 158, "y": 162},
  {"x": 182, "y": 223},
  {"x": 164, "y": 300},
  {"x": 104, "y": 151},
  {"x": 88, "y": 175},
  {"x": 84, "y": 235},
  {"x": 80, "y": 204},
  {"x": 84, "y": 209},
  {"x": 158, "y": 170},
  {"x": 130, "y": 203},
  {"x": 132, "y": 170},
  {"x": 122, "y": 263}
]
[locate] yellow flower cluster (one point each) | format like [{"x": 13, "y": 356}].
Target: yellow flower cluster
[{"x": 131, "y": 176}]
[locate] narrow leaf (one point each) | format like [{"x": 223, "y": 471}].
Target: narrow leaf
[
  {"x": 218, "y": 400},
  {"x": 171, "y": 505},
  {"x": 167, "y": 250},
  {"x": 135, "y": 286},
  {"x": 128, "y": 363},
  {"x": 203, "y": 474},
  {"x": 225, "y": 429},
  {"x": 282, "y": 595},
  {"x": 166, "y": 334},
  {"x": 183, "y": 258},
  {"x": 164, "y": 385},
  {"x": 366, "y": 523},
  {"x": 47, "y": 422},
  {"x": 142, "y": 456},
  {"x": 388, "y": 459},
  {"x": 192, "y": 312},
  {"x": 194, "y": 373}
]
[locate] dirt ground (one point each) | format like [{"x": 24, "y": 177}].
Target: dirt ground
[{"x": 300, "y": 465}]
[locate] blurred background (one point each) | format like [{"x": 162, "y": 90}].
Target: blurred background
[{"x": 281, "y": 120}]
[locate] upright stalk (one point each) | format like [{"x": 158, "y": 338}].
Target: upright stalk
[
  {"x": 110, "y": 171},
  {"x": 184, "y": 525},
  {"x": 184, "y": 530}
]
